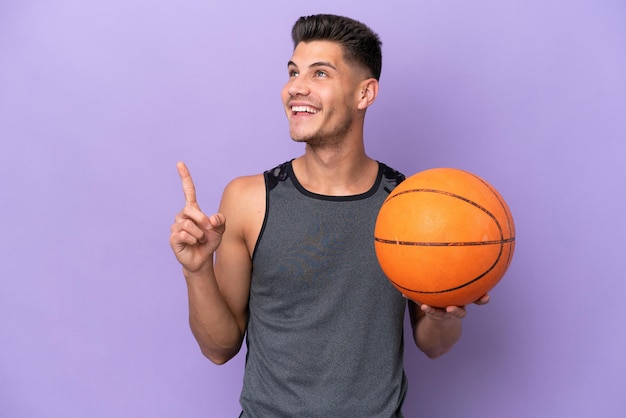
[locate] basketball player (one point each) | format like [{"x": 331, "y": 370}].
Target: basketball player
[{"x": 295, "y": 269}]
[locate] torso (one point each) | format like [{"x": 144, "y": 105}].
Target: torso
[{"x": 316, "y": 295}]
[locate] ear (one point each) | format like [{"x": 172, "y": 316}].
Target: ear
[{"x": 367, "y": 93}]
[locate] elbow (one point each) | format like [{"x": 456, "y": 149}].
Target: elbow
[
  {"x": 218, "y": 361},
  {"x": 435, "y": 353},
  {"x": 217, "y": 351},
  {"x": 219, "y": 357}
]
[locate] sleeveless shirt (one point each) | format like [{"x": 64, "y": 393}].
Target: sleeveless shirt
[{"x": 325, "y": 328}]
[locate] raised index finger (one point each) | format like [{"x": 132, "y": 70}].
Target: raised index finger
[{"x": 188, "y": 188}]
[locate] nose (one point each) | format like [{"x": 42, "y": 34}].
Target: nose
[{"x": 297, "y": 86}]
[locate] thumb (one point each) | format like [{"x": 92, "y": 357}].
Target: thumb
[{"x": 217, "y": 223}]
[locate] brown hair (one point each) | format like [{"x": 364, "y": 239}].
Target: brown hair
[{"x": 361, "y": 45}]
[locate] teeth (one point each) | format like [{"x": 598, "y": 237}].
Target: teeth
[{"x": 306, "y": 109}]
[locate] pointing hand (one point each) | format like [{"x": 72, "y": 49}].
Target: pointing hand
[{"x": 194, "y": 236}]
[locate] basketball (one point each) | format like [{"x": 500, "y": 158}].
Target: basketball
[{"x": 444, "y": 237}]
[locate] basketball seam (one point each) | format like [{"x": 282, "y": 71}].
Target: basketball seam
[{"x": 443, "y": 244}]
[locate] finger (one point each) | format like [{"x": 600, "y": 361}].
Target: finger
[
  {"x": 188, "y": 187},
  {"x": 483, "y": 300},
  {"x": 457, "y": 311},
  {"x": 196, "y": 215},
  {"x": 217, "y": 222},
  {"x": 188, "y": 232},
  {"x": 431, "y": 310},
  {"x": 181, "y": 239}
]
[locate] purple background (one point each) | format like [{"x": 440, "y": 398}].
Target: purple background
[{"x": 100, "y": 99}]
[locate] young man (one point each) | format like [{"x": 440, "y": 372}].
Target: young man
[{"x": 295, "y": 269}]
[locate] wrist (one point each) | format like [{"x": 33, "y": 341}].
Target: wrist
[
  {"x": 443, "y": 322},
  {"x": 202, "y": 272}
]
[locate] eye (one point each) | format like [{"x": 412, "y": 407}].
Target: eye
[
  {"x": 321, "y": 73},
  {"x": 293, "y": 73}
]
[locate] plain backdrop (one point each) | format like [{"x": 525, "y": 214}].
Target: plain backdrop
[{"x": 100, "y": 99}]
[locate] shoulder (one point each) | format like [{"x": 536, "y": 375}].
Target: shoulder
[
  {"x": 245, "y": 184},
  {"x": 243, "y": 205},
  {"x": 244, "y": 200},
  {"x": 277, "y": 174},
  {"x": 390, "y": 176},
  {"x": 258, "y": 183},
  {"x": 244, "y": 193}
]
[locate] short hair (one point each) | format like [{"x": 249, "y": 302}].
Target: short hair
[{"x": 361, "y": 45}]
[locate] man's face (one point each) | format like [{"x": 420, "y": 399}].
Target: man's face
[{"x": 321, "y": 96}]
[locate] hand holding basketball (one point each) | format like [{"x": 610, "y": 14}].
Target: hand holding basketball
[
  {"x": 449, "y": 311},
  {"x": 194, "y": 236}
]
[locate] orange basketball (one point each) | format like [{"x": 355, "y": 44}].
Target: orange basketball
[{"x": 444, "y": 237}]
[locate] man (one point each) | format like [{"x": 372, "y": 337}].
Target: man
[{"x": 295, "y": 269}]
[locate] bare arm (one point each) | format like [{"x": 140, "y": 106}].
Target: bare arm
[
  {"x": 436, "y": 330},
  {"x": 218, "y": 286}
]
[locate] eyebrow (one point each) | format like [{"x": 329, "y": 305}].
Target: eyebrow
[{"x": 315, "y": 64}]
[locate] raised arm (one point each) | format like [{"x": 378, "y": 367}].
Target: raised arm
[{"x": 214, "y": 252}]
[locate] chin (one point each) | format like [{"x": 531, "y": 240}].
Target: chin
[
  {"x": 299, "y": 136},
  {"x": 300, "y": 139}
]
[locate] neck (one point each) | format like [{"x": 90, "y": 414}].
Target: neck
[{"x": 336, "y": 171}]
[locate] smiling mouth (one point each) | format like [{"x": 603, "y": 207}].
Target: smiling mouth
[{"x": 304, "y": 109}]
